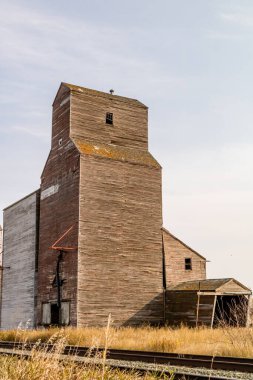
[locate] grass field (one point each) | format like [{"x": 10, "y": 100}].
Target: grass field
[
  {"x": 42, "y": 368},
  {"x": 221, "y": 341},
  {"x": 44, "y": 365}
]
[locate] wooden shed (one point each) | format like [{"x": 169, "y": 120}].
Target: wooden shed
[{"x": 208, "y": 302}]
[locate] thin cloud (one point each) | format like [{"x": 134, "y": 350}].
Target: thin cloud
[
  {"x": 241, "y": 16},
  {"x": 35, "y": 132},
  {"x": 28, "y": 39},
  {"x": 219, "y": 35}
]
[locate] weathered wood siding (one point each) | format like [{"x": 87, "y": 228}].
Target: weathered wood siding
[
  {"x": 88, "y": 113},
  {"x": 1, "y": 245},
  {"x": 181, "y": 307},
  {"x": 19, "y": 257},
  {"x": 232, "y": 287},
  {"x": 112, "y": 197},
  {"x": 59, "y": 211},
  {"x": 175, "y": 254},
  {"x": 120, "y": 245},
  {"x": 120, "y": 241}
]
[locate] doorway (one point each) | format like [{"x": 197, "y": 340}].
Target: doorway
[
  {"x": 231, "y": 311},
  {"x": 55, "y": 314}
]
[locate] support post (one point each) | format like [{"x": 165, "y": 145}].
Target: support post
[
  {"x": 197, "y": 312},
  {"x": 248, "y": 321},
  {"x": 213, "y": 313}
]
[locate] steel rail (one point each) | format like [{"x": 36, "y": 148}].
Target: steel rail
[
  {"x": 201, "y": 361},
  {"x": 175, "y": 373}
]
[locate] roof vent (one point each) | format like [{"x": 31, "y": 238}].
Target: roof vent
[{"x": 111, "y": 91}]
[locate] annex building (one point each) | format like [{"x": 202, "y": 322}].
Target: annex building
[{"x": 91, "y": 240}]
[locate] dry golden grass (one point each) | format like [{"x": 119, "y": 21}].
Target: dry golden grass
[
  {"x": 12, "y": 368},
  {"x": 44, "y": 365},
  {"x": 221, "y": 341}
]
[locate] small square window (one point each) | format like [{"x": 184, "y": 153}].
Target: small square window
[
  {"x": 109, "y": 118},
  {"x": 188, "y": 264}
]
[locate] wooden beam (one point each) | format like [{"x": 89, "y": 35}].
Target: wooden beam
[{"x": 213, "y": 313}]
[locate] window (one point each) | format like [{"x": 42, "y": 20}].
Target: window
[
  {"x": 109, "y": 118},
  {"x": 188, "y": 264}
]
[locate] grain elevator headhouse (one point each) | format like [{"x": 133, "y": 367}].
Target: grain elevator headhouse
[{"x": 100, "y": 247}]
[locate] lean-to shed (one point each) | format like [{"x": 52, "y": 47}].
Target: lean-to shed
[{"x": 208, "y": 302}]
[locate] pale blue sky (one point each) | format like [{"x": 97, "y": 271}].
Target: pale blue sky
[{"x": 191, "y": 62}]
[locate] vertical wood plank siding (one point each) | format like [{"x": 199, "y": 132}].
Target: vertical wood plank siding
[
  {"x": 18, "y": 283},
  {"x": 175, "y": 254},
  {"x": 59, "y": 211}
]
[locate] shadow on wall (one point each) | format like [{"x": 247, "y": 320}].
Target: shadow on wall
[{"x": 151, "y": 314}]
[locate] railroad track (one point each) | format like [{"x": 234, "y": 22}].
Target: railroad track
[{"x": 234, "y": 364}]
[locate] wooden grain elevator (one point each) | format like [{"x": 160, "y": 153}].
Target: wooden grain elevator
[
  {"x": 101, "y": 207},
  {"x": 90, "y": 242}
]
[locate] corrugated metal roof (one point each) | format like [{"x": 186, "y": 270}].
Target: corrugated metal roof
[
  {"x": 118, "y": 153},
  {"x": 81, "y": 89},
  {"x": 205, "y": 285}
]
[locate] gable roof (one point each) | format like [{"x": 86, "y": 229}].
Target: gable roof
[
  {"x": 181, "y": 242},
  {"x": 213, "y": 285},
  {"x": 85, "y": 90}
]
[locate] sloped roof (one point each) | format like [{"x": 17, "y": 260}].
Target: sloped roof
[
  {"x": 118, "y": 153},
  {"x": 21, "y": 199},
  {"x": 212, "y": 285},
  {"x": 180, "y": 241},
  {"x": 80, "y": 89}
]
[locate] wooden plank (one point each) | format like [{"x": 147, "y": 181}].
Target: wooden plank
[
  {"x": 58, "y": 211},
  {"x": 232, "y": 287},
  {"x": 213, "y": 311},
  {"x": 129, "y": 120},
  {"x": 120, "y": 220},
  {"x": 18, "y": 290},
  {"x": 175, "y": 255},
  {"x": 115, "y": 207},
  {"x": 189, "y": 308}
]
